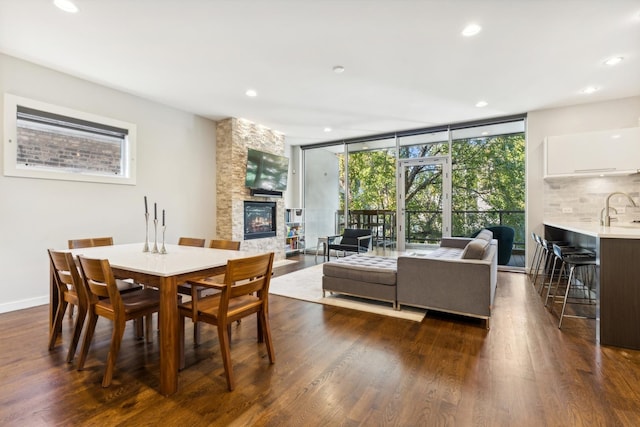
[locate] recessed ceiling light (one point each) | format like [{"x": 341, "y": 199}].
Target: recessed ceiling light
[
  {"x": 481, "y": 104},
  {"x": 589, "y": 90},
  {"x": 614, "y": 61},
  {"x": 338, "y": 69},
  {"x": 471, "y": 30},
  {"x": 615, "y": 136},
  {"x": 66, "y": 5},
  {"x": 328, "y": 129},
  {"x": 251, "y": 93}
]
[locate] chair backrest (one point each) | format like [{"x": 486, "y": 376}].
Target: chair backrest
[
  {"x": 66, "y": 275},
  {"x": 244, "y": 276},
  {"x": 505, "y": 236},
  {"x": 231, "y": 245},
  {"x": 90, "y": 242},
  {"x": 191, "y": 241},
  {"x": 350, "y": 237},
  {"x": 100, "y": 282}
]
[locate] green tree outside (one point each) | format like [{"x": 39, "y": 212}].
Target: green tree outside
[{"x": 487, "y": 177}]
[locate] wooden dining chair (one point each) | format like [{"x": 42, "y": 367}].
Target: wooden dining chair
[
  {"x": 90, "y": 242},
  {"x": 231, "y": 245},
  {"x": 187, "y": 288},
  {"x": 245, "y": 291},
  {"x": 191, "y": 241},
  {"x": 71, "y": 290},
  {"x": 105, "y": 300},
  {"x": 123, "y": 285}
]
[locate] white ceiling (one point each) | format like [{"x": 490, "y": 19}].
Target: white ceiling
[{"x": 407, "y": 66}]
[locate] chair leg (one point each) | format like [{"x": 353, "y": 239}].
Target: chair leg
[
  {"x": 537, "y": 272},
  {"x": 148, "y": 327},
  {"x": 77, "y": 331},
  {"x": 223, "y": 339},
  {"x": 555, "y": 289},
  {"x": 116, "y": 340},
  {"x": 57, "y": 324},
  {"x": 196, "y": 334},
  {"x": 138, "y": 326},
  {"x": 566, "y": 295},
  {"x": 260, "y": 329},
  {"x": 553, "y": 269},
  {"x": 71, "y": 311},
  {"x": 88, "y": 336},
  {"x": 266, "y": 329}
]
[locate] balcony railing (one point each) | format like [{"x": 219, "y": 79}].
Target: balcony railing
[{"x": 425, "y": 226}]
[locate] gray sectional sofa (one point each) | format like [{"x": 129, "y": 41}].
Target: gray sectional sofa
[{"x": 459, "y": 277}]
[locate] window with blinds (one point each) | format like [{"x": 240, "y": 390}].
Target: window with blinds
[{"x": 51, "y": 142}]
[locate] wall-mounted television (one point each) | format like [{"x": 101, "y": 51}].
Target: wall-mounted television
[{"x": 266, "y": 171}]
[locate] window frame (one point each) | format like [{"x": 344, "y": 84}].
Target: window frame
[{"x": 12, "y": 168}]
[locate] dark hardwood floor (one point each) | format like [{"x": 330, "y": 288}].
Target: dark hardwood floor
[{"x": 336, "y": 367}]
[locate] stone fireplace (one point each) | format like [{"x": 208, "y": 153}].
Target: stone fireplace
[{"x": 233, "y": 138}]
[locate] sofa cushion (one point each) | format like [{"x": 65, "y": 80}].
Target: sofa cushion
[
  {"x": 475, "y": 249},
  {"x": 371, "y": 269},
  {"x": 485, "y": 234}
]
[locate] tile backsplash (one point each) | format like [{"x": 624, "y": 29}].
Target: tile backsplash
[{"x": 582, "y": 199}]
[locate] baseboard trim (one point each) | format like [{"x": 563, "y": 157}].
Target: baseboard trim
[{"x": 22, "y": 304}]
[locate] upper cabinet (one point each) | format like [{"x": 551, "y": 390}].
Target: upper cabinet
[{"x": 612, "y": 152}]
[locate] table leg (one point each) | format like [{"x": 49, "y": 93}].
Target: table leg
[{"x": 169, "y": 345}]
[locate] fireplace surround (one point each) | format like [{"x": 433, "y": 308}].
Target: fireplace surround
[{"x": 259, "y": 220}]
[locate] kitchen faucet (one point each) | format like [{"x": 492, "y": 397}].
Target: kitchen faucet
[{"x": 607, "y": 218}]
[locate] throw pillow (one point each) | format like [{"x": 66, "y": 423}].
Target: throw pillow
[
  {"x": 485, "y": 235},
  {"x": 475, "y": 249}
]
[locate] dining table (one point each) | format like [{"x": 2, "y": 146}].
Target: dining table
[{"x": 164, "y": 271}]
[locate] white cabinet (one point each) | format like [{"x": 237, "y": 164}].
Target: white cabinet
[{"x": 612, "y": 152}]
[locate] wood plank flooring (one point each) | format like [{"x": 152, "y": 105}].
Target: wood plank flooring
[{"x": 336, "y": 367}]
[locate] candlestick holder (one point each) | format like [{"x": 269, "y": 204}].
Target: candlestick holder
[
  {"x": 146, "y": 233},
  {"x": 155, "y": 242},
  {"x": 163, "y": 250}
]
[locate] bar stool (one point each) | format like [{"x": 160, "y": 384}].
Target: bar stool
[
  {"x": 536, "y": 254},
  {"x": 546, "y": 256},
  {"x": 573, "y": 259}
]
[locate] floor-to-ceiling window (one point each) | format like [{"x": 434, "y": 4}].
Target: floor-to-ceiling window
[
  {"x": 456, "y": 179},
  {"x": 488, "y": 180}
]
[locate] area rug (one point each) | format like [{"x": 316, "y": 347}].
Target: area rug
[
  {"x": 306, "y": 285},
  {"x": 281, "y": 262}
]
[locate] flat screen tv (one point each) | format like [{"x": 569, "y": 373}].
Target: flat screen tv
[{"x": 266, "y": 171}]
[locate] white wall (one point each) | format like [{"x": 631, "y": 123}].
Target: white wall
[
  {"x": 175, "y": 168},
  {"x": 621, "y": 113},
  {"x": 321, "y": 198}
]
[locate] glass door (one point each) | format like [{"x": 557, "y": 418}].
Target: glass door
[{"x": 424, "y": 202}]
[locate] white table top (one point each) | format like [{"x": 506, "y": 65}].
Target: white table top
[
  {"x": 616, "y": 231},
  {"x": 178, "y": 259}
]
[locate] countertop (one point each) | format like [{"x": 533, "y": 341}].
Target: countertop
[{"x": 616, "y": 231}]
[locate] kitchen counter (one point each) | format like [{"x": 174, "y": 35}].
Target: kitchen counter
[
  {"x": 593, "y": 229},
  {"x": 617, "y": 280}
]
